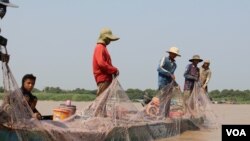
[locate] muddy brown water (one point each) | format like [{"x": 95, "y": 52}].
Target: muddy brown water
[{"x": 227, "y": 114}]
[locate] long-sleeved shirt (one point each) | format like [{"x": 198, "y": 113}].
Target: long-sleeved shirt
[
  {"x": 191, "y": 75},
  {"x": 102, "y": 65},
  {"x": 165, "y": 69},
  {"x": 205, "y": 75}
]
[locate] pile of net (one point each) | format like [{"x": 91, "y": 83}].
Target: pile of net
[
  {"x": 112, "y": 116},
  {"x": 199, "y": 109}
]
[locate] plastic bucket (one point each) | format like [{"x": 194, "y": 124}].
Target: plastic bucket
[
  {"x": 70, "y": 108},
  {"x": 60, "y": 114}
]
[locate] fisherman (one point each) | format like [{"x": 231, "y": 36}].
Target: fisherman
[
  {"x": 205, "y": 75},
  {"x": 3, "y": 41},
  {"x": 28, "y": 83},
  {"x": 191, "y": 75},
  {"x": 166, "y": 71},
  {"x": 167, "y": 68},
  {"x": 103, "y": 69}
]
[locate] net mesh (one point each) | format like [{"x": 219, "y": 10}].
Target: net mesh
[
  {"x": 199, "y": 109},
  {"x": 112, "y": 116}
]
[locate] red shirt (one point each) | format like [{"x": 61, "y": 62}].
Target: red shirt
[{"x": 102, "y": 65}]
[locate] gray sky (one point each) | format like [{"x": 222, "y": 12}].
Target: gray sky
[{"x": 55, "y": 40}]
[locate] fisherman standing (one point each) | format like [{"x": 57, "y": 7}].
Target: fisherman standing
[
  {"x": 205, "y": 75},
  {"x": 167, "y": 68},
  {"x": 191, "y": 75},
  {"x": 166, "y": 75},
  {"x": 103, "y": 69}
]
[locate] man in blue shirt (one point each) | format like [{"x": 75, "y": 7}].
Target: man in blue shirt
[
  {"x": 167, "y": 68},
  {"x": 166, "y": 75}
]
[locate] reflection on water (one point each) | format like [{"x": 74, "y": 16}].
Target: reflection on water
[{"x": 227, "y": 114}]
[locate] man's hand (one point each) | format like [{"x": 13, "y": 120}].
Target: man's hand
[
  {"x": 173, "y": 76},
  {"x": 196, "y": 79},
  {"x": 116, "y": 74},
  {"x": 204, "y": 86},
  {"x": 4, "y": 57},
  {"x": 37, "y": 116}
]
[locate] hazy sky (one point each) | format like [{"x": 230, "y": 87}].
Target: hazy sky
[{"x": 55, "y": 39}]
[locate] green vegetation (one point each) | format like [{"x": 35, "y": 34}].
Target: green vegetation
[
  {"x": 231, "y": 96},
  {"x": 58, "y": 94},
  {"x": 63, "y": 97},
  {"x": 78, "y": 94}
]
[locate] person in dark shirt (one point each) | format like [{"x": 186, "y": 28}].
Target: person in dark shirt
[
  {"x": 192, "y": 75},
  {"x": 28, "y": 83}
]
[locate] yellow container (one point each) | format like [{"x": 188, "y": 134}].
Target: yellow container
[
  {"x": 70, "y": 108},
  {"x": 61, "y": 114}
]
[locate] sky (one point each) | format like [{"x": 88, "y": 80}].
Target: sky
[{"x": 55, "y": 40}]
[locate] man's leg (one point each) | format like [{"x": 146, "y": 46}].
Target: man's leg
[{"x": 102, "y": 86}]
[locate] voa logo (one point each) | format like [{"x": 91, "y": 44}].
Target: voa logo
[{"x": 236, "y": 132}]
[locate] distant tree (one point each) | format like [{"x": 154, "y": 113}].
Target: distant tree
[
  {"x": 247, "y": 91},
  {"x": 35, "y": 90},
  {"x": 214, "y": 93},
  {"x": 226, "y": 92},
  {"x": 135, "y": 93},
  {"x": 150, "y": 92},
  {"x": 92, "y": 91},
  {"x": 53, "y": 90},
  {"x": 1, "y": 89},
  {"x": 78, "y": 91}
]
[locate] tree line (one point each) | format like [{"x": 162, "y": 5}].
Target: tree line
[
  {"x": 226, "y": 94},
  {"x": 237, "y": 96},
  {"x": 132, "y": 93}
]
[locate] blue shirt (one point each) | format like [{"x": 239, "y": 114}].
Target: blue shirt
[{"x": 165, "y": 69}]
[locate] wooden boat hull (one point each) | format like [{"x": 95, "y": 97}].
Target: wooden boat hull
[{"x": 153, "y": 131}]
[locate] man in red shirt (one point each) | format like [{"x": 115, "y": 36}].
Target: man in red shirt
[{"x": 103, "y": 69}]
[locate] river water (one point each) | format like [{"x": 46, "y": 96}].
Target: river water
[{"x": 227, "y": 114}]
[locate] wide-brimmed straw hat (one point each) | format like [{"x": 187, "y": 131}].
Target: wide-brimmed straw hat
[
  {"x": 106, "y": 33},
  {"x": 7, "y": 3},
  {"x": 196, "y": 57},
  {"x": 174, "y": 50}
]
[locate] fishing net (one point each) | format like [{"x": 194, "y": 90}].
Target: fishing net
[
  {"x": 15, "y": 112},
  {"x": 199, "y": 109},
  {"x": 112, "y": 116}
]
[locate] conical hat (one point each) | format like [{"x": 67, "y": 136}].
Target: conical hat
[
  {"x": 196, "y": 57},
  {"x": 174, "y": 50}
]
